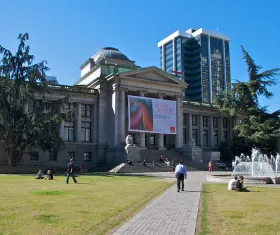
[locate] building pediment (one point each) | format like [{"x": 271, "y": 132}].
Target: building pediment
[{"x": 153, "y": 74}]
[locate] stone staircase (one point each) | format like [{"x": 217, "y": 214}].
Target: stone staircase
[
  {"x": 117, "y": 168},
  {"x": 149, "y": 155},
  {"x": 160, "y": 167}
]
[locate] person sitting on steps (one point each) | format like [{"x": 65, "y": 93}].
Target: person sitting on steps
[
  {"x": 144, "y": 163},
  {"x": 161, "y": 159},
  {"x": 167, "y": 162}
]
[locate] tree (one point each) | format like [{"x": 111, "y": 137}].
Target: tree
[
  {"x": 22, "y": 81},
  {"x": 258, "y": 127}
]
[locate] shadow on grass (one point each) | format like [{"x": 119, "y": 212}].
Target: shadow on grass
[
  {"x": 48, "y": 219},
  {"x": 198, "y": 191},
  {"x": 49, "y": 193},
  {"x": 81, "y": 183}
]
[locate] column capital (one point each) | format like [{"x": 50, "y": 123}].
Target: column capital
[
  {"x": 143, "y": 92},
  {"x": 115, "y": 87},
  {"x": 124, "y": 89},
  {"x": 179, "y": 97},
  {"x": 161, "y": 95}
]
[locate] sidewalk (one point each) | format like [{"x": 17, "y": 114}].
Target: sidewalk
[{"x": 170, "y": 213}]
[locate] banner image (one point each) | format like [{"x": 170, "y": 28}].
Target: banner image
[{"x": 151, "y": 115}]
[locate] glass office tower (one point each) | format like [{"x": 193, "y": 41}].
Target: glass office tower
[{"x": 201, "y": 58}]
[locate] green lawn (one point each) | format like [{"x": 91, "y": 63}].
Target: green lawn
[
  {"x": 230, "y": 212},
  {"x": 94, "y": 206}
]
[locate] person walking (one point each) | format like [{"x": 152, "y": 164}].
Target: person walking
[
  {"x": 173, "y": 165},
  {"x": 180, "y": 174},
  {"x": 70, "y": 172}
]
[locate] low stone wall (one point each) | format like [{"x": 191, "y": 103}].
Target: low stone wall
[{"x": 19, "y": 170}]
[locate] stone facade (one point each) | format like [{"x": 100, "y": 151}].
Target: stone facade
[{"x": 100, "y": 99}]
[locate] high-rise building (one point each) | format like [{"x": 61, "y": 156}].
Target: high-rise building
[{"x": 199, "y": 57}]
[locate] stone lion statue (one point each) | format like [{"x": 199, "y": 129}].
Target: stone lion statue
[{"x": 129, "y": 140}]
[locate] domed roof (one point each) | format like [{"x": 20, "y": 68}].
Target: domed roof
[{"x": 109, "y": 52}]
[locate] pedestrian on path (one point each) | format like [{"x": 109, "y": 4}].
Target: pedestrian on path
[
  {"x": 70, "y": 172},
  {"x": 180, "y": 174}
]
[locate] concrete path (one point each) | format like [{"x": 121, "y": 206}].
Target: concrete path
[{"x": 170, "y": 213}]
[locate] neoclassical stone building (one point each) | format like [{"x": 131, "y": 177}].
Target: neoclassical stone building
[{"x": 100, "y": 98}]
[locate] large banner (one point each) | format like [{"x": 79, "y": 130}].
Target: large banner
[{"x": 151, "y": 115}]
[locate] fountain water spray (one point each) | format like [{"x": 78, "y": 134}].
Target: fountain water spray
[{"x": 276, "y": 163}]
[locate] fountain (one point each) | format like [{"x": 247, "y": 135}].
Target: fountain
[
  {"x": 257, "y": 169},
  {"x": 258, "y": 166},
  {"x": 277, "y": 160}
]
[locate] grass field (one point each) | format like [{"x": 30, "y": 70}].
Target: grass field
[
  {"x": 94, "y": 206},
  {"x": 234, "y": 213}
]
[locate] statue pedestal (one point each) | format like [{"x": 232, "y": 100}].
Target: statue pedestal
[
  {"x": 191, "y": 152},
  {"x": 133, "y": 153}
]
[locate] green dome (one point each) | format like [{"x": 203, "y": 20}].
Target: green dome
[{"x": 109, "y": 52}]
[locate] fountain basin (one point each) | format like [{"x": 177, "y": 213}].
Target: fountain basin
[{"x": 225, "y": 178}]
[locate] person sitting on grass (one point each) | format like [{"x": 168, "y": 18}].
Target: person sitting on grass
[
  {"x": 49, "y": 175},
  {"x": 239, "y": 185},
  {"x": 39, "y": 175},
  {"x": 232, "y": 183}
]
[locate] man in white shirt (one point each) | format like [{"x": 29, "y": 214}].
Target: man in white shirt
[
  {"x": 232, "y": 183},
  {"x": 180, "y": 174}
]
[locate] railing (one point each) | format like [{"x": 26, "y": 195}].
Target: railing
[
  {"x": 201, "y": 104},
  {"x": 75, "y": 89}
]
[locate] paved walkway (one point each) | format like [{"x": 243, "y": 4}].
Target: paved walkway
[{"x": 170, "y": 213}]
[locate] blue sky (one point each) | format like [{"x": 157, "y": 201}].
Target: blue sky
[{"x": 68, "y": 32}]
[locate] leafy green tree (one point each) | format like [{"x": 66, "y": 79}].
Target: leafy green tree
[
  {"x": 258, "y": 127},
  {"x": 23, "y": 81}
]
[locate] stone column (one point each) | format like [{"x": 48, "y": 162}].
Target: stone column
[
  {"x": 122, "y": 116},
  {"x": 210, "y": 131},
  {"x": 221, "y": 130},
  {"x": 61, "y": 126},
  {"x": 160, "y": 139},
  {"x": 102, "y": 114},
  {"x": 78, "y": 122},
  {"x": 94, "y": 121},
  {"x": 142, "y": 134},
  {"x": 200, "y": 130},
  {"x": 179, "y": 122},
  {"x": 116, "y": 109},
  {"x": 190, "y": 127}
]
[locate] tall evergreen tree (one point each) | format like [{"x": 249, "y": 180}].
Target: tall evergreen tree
[
  {"x": 258, "y": 127},
  {"x": 23, "y": 81}
]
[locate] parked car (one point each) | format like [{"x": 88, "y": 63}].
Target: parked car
[{"x": 218, "y": 163}]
